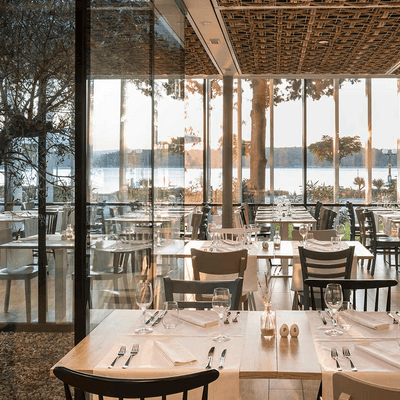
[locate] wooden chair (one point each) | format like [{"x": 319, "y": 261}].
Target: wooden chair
[
  {"x": 317, "y": 212},
  {"x": 205, "y": 210},
  {"x": 51, "y": 222},
  {"x": 195, "y": 226},
  {"x": 324, "y": 265},
  {"x": 232, "y": 264},
  {"x": 354, "y": 226},
  {"x": 177, "y": 286},
  {"x": 351, "y": 286},
  {"x": 24, "y": 273},
  {"x": 135, "y": 388},
  {"x": 380, "y": 244},
  {"x": 349, "y": 387}
]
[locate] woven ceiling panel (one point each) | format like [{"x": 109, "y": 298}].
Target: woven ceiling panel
[
  {"x": 286, "y": 38},
  {"x": 197, "y": 61}
]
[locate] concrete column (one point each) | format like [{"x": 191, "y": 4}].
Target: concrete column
[
  {"x": 336, "y": 158},
  {"x": 227, "y": 152},
  {"x": 368, "y": 144}
]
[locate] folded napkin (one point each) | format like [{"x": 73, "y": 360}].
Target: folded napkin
[
  {"x": 231, "y": 242},
  {"x": 175, "y": 352},
  {"x": 199, "y": 318},
  {"x": 103, "y": 244},
  {"x": 320, "y": 242},
  {"x": 368, "y": 321},
  {"x": 389, "y": 356}
]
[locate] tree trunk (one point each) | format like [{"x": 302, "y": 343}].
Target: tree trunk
[{"x": 258, "y": 133}]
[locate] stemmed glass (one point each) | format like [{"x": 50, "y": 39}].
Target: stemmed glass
[
  {"x": 334, "y": 300},
  {"x": 221, "y": 303},
  {"x": 303, "y": 230},
  {"x": 144, "y": 298},
  {"x": 341, "y": 230}
]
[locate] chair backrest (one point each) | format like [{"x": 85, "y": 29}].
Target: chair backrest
[
  {"x": 246, "y": 213},
  {"x": 323, "y": 217},
  {"x": 51, "y": 222},
  {"x": 205, "y": 209},
  {"x": 324, "y": 265},
  {"x": 359, "y": 211},
  {"x": 317, "y": 211},
  {"x": 196, "y": 221},
  {"x": 331, "y": 219},
  {"x": 238, "y": 218},
  {"x": 221, "y": 263},
  {"x": 370, "y": 225},
  {"x": 134, "y": 388},
  {"x": 351, "y": 286},
  {"x": 322, "y": 234},
  {"x": 357, "y": 389},
  {"x": 177, "y": 286},
  {"x": 352, "y": 217}
]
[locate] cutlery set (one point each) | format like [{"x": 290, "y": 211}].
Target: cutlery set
[
  {"x": 211, "y": 355},
  {"x": 121, "y": 353},
  {"x": 346, "y": 354}
]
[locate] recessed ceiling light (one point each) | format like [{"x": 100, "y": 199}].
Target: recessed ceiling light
[
  {"x": 215, "y": 41},
  {"x": 323, "y": 41},
  {"x": 206, "y": 23}
]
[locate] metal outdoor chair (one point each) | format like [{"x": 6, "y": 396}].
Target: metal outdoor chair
[
  {"x": 135, "y": 388},
  {"x": 183, "y": 287}
]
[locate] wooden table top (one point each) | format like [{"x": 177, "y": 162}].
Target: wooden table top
[{"x": 275, "y": 358}]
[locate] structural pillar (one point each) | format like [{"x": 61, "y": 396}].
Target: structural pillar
[{"x": 227, "y": 153}]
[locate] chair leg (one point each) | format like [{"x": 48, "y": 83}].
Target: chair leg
[
  {"x": 373, "y": 265},
  {"x": 28, "y": 299},
  {"x": 7, "y": 298}
]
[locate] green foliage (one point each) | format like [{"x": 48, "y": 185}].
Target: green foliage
[{"x": 323, "y": 150}]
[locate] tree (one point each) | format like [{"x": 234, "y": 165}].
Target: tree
[
  {"x": 323, "y": 150},
  {"x": 378, "y": 183},
  {"x": 36, "y": 84}
]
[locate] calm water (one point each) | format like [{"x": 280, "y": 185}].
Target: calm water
[{"x": 106, "y": 180}]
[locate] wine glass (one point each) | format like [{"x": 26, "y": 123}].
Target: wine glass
[
  {"x": 144, "y": 297},
  {"x": 341, "y": 230},
  {"x": 303, "y": 232},
  {"x": 334, "y": 300},
  {"x": 221, "y": 303}
]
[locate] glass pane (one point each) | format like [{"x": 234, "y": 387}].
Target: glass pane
[
  {"x": 320, "y": 133},
  {"x": 353, "y": 132},
  {"x": 288, "y": 139},
  {"x": 385, "y": 134}
]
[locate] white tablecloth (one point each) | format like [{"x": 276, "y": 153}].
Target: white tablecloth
[
  {"x": 150, "y": 362},
  {"x": 366, "y": 364}
]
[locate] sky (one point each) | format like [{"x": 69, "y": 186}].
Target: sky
[{"x": 287, "y": 116}]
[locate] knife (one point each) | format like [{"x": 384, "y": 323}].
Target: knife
[
  {"x": 152, "y": 317},
  {"x": 158, "y": 320},
  {"x": 222, "y": 359},
  {"x": 210, "y": 357},
  {"x": 322, "y": 317}
]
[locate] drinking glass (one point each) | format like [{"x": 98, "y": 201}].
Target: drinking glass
[
  {"x": 171, "y": 317},
  {"x": 345, "y": 315},
  {"x": 398, "y": 334},
  {"x": 335, "y": 243},
  {"x": 309, "y": 239},
  {"x": 303, "y": 230},
  {"x": 340, "y": 231},
  {"x": 334, "y": 300},
  {"x": 221, "y": 303},
  {"x": 144, "y": 298}
]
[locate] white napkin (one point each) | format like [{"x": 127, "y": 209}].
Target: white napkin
[
  {"x": 204, "y": 319},
  {"x": 368, "y": 321},
  {"x": 103, "y": 244},
  {"x": 320, "y": 242},
  {"x": 175, "y": 352},
  {"x": 381, "y": 353}
]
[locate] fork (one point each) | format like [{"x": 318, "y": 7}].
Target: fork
[
  {"x": 346, "y": 354},
  {"x": 335, "y": 356},
  {"x": 121, "y": 352},
  {"x": 134, "y": 351}
]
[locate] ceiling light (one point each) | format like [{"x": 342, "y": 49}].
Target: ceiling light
[
  {"x": 215, "y": 41},
  {"x": 323, "y": 41},
  {"x": 205, "y": 23}
]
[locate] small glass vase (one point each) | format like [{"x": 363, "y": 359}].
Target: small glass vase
[{"x": 268, "y": 326}]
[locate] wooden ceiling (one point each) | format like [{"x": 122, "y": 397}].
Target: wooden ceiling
[{"x": 292, "y": 37}]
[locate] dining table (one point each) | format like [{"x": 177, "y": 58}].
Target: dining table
[
  {"x": 249, "y": 354},
  {"x": 298, "y": 215},
  {"x": 59, "y": 246}
]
